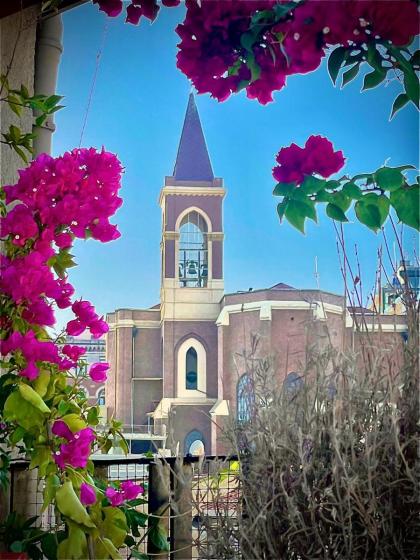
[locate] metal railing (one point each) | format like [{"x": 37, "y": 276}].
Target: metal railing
[
  {"x": 192, "y": 498},
  {"x": 145, "y": 429}
]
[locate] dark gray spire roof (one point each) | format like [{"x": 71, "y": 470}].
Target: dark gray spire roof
[{"x": 192, "y": 161}]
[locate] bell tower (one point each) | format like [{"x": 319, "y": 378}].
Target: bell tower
[{"x": 192, "y": 230}]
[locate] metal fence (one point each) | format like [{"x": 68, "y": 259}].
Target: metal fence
[{"x": 191, "y": 498}]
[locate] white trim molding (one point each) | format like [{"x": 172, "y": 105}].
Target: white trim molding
[
  {"x": 182, "y": 391},
  {"x": 266, "y": 307}
]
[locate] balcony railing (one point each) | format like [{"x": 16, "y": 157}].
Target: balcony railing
[{"x": 145, "y": 430}]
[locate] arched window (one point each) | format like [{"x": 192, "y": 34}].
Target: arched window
[
  {"x": 194, "y": 443},
  {"x": 245, "y": 398},
  {"x": 191, "y": 369},
  {"x": 101, "y": 397},
  {"x": 193, "y": 253}
]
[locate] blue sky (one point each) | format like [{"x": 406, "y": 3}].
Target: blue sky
[{"x": 137, "y": 111}]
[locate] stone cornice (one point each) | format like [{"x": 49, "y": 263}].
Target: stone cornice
[{"x": 190, "y": 191}]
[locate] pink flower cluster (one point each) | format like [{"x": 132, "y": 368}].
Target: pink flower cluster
[
  {"x": 78, "y": 447},
  {"x": 97, "y": 372},
  {"x": 87, "y": 318},
  {"x": 212, "y": 56},
  {"x": 33, "y": 350},
  {"x": 127, "y": 491},
  {"x": 136, "y": 9},
  {"x": 55, "y": 200},
  {"x": 317, "y": 156}
]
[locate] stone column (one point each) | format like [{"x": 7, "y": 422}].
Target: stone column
[{"x": 47, "y": 58}]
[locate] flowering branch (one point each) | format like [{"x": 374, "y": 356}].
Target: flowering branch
[{"x": 303, "y": 175}]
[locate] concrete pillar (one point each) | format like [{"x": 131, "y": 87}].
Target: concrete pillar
[
  {"x": 181, "y": 525},
  {"x": 159, "y": 492},
  {"x": 47, "y": 58}
]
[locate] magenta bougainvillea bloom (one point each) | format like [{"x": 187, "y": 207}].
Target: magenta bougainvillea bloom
[
  {"x": 318, "y": 156},
  {"x": 30, "y": 371},
  {"x": 60, "y": 429},
  {"x": 87, "y": 318},
  {"x": 112, "y": 8},
  {"x": 19, "y": 224},
  {"x": 97, "y": 372},
  {"x": 77, "y": 449},
  {"x": 128, "y": 491},
  {"x": 73, "y": 352},
  {"x": 87, "y": 494},
  {"x": 131, "y": 490}
]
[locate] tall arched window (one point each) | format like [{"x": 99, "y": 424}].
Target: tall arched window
[
  {"x": 191, "y": 369},
  {"x": 245, "y": 398},
  {"x": 193, "y": 252},
  {"x": 101, "y": 397}
]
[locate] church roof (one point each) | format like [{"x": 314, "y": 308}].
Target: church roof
[
  {"x": 192, "y": 161},
  {"x": 282, "y": 286}
]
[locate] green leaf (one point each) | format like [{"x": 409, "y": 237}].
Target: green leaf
[
  {"x": 389, "y": 178},
  {"x": 297, "y": 212},
  {"x": 69, "y": 505},
  {"x": 248, "y": 40},
  {"x": 281, "y": 208},
  {"x": 374, "y": 58},
  {"x": 335, "y": 61},
  {"x": 335, "y": 213},
  {"x": 159, "y": 538},
  {"x": 411, "y": 84},
  {"x": 17, "y": 409},
  {"x": 350, "y": 74},
  {"x": 254, "y": 67},
  {"x": 341, "y": 200},
  {"x": 332, "y": 185},
  {"x": 372, "y": 210},
  {"x": 49, "y": 546},
  {"x": 399, "y": 103},
  {"x": 406, "y": 204},
  {"x": 312, "y": 185},
  {"x": 14, "y": 104},
  {"x": 284, "y": 189},
  {"x": 352, "y": 190},
  {"x": 17, "y": 546},
  {"x": 373, "y": 79},
  {"x": 32, "y": 397},
  {"x": 114, "y": 526},
  {"x": 323, "y": 196}
]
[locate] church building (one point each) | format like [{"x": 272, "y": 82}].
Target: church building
[{"x": 179, "y": 369}]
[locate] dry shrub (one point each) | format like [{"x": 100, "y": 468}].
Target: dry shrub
[{"x": 328, "y": 465}]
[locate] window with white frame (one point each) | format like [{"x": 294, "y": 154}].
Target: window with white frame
[{"x": 191, "y": 379}]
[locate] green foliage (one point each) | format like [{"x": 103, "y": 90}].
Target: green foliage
[
  {"x": 19, "y": 100},
  {"x": 387, "y": 62},
  {"x": 372, "y": 195}
]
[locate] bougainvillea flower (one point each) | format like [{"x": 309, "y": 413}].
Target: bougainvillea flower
[
  {"x": 134, "y": 14},
  {"x": 73, "y": 352},
  {"x": 76, "y": 452},
  {"x": 131, "y": 490},
  {"x": 60, "y": 429},
  {"x": 19, "y": 224},
  {"x": 84, "y": 311},
  {"x": 63, "y": 240},
  {"x": 30, "y": 371},
  {"x": 318, "y": 156},
  {"x": 97, "y": 372},
  {"x": 98, "y": 328},
  {"x": 112, "y": 8},
  {"x": 39, "y": 313},
  {"x": 75, "y": 327},
  {"x": 116, "y": 498},
  {"x": 87, "y": 494},
  {"x": 128, "y": 491}
]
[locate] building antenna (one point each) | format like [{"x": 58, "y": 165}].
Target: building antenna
[{"x": 316, "y": 273}]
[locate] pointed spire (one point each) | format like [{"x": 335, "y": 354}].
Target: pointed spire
[{"x": 192, "y": 161}]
